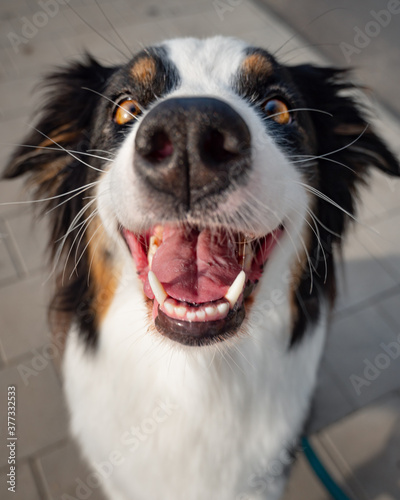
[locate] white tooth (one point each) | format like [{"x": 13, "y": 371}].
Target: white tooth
[
  {"x": 211, "y": 311},
  {"x": 158, "y": 290},
  {"x": 201, "y": 315},
  {"x": 158, "y": 231},
  {"x": 223, "y": 308},
  {"x": 191, "y": 316},
  {"x": 180, "y": 311},
  {"x": 236, "y": 289},
  {"x": 169, "y": 307},
  {"x": 153, "y": 247}
]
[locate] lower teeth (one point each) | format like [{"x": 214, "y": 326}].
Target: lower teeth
[{"x": 202, "y": 313}]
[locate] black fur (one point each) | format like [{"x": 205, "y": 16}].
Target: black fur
[
  {"x": 350, "y": 147},
  {"x": 71, "y": 108},
  {"x": 78, "y": 106}
]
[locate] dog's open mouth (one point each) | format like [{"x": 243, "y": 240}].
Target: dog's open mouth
[{"x": 199, "y": 279}]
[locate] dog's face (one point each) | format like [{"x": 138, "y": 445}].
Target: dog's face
[
  {"x": 202, "y": 166},
  {"x": 201, "y": 186}
]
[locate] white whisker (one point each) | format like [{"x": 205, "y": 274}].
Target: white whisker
[
  {"x": 116, "y": 104},
  {"x": 76, "y": 194},
  {"x": 49, "y": 198},
  {"x": 58, "y": 149},
  {"x": 66, "y": 150}
]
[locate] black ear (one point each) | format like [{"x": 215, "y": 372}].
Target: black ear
[
  {"x": 345, "y": 147},
  {"x": 348, "y": 128},
  {"x": 53, "y": 165},
  {"x": 346, "y": 142},
  {"x": 65, "y": 120},
  {"x": 64, "y": 124}
]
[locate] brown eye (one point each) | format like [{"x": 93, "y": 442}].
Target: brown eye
[
  {"x": 126, "y": 111},
  {"x": 277, "y": 110}
]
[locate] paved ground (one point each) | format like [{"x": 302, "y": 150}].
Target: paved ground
[
  {"x": 357, "y": 435},
  {"x": 359, "y": 34}
]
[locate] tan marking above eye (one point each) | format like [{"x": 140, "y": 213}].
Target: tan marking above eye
[
  {"x": 257, "y": 64},
  {"x": 144, "y": 70},
  {"x": 277, "y": 110},
  {"x": 126, "y": 111}
]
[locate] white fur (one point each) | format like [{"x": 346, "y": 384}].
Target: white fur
[
  {"x": 233, "y": 406},
  {"x": 236, "y": 405},
  {"x": 273, "y": 190}
]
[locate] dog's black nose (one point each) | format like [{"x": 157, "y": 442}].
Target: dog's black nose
[{"x": 192, "y": 147}]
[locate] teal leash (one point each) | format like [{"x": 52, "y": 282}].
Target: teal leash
[{"x": 323, "y": 475}]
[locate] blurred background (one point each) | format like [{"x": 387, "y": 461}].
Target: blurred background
[{"x": 355, "y": 425}]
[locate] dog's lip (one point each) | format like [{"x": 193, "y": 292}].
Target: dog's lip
[{"x": 192, "y": 323}]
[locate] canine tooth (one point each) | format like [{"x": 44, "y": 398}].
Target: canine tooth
[
  {"x": 158, "y": 231},
  {"x": 223, "y": 308},
  {"x": 158, "y": 290},
  {"x": 211, "y": 311},
  {"x": 191, "y": 316},
  {"x": 236, "y": 289},
  {"x": 154, "y": 243},
  {"x": 201, "y": 315}
]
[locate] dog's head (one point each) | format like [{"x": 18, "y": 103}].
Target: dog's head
[{"x": 206, "y": 167}]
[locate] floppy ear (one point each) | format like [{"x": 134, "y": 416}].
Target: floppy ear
[
  {"x": 345, "y": 147},
  {"x": 53, "y": 165},
  {"x": 64, "y": 125},
  {"x": 346, "y": 143},
  {"x": 325, "y": 88}
]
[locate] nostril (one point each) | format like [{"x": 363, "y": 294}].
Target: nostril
[
  {"x": 220, "y": 147},
  {"x": 190, "y": 147},
  {"x": 160, "y": 147}
]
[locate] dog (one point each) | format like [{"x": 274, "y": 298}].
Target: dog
[{"x": 198, "y": 197}]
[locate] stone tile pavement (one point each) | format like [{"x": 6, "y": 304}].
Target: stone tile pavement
[{"x": 356, "y": 418}]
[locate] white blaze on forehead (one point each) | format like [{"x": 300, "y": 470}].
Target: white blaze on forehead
[
  {"x": 272, "y": 193},
  {"x": 205, "y": 64}
]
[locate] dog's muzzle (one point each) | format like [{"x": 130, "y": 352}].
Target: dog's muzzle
[
  {"x": 192, "y": 147},
  {"x": 188, "y": 151}
]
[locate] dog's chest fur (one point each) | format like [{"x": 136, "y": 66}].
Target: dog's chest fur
[{"x": 191, "y": 425}]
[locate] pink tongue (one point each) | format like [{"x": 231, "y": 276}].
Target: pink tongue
[{"x": 194, "y": 266}]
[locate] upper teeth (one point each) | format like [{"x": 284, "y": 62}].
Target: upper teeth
[
  {"x": 233, "y": 294},
  {"x": 158, "y": 290}
]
